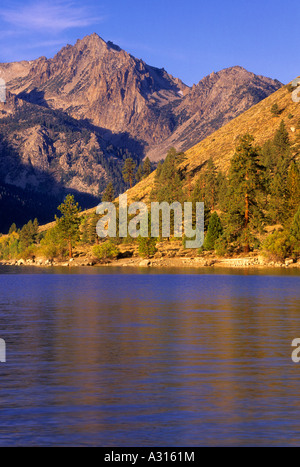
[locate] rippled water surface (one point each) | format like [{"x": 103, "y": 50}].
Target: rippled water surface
[{"x": 149, "y": 358}]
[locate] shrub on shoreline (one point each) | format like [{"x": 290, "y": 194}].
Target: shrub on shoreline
[
  {"x": 106, "y": 250},
  {"x": 147, "y": 246}
]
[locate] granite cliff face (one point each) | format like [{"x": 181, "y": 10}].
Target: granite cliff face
[
  {"x": 99, "y": 81},
  {"x": 37, "y": 144},
  {"x": 70, "y": 121},
  {"x": 44, "y": 155},
  {"x": 214, "y": 101}
]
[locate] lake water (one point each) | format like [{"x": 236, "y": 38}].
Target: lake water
[{"x": 116, "y": 358}]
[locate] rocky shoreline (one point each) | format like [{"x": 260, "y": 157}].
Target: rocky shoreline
[
  {"x": 169, "y": 255},
  {"x": 164, "y": 262}
]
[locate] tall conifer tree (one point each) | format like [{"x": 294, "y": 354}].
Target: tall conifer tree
[{"x": 244, "y": 213}]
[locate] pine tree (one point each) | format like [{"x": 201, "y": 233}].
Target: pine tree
[
  {"x": 295, "y": 229},
  {"x": 26, "y": 236},
  {"x": 168, "y": 183},
  {"x": 278, "y": 205},
  {"x": 210, "y": 192},
  {"x": 279, "y": 193},
  {"x": 139, "y": 173},
  {"x": 281, "y": 142},
  {"x": 199, "y": 189},
  {"x": 29, "y": 234},
  {"x": 198, "y": 196},
  {"x": 189, "y": 187},
  {"x": 129, "y": 171},
  {"x": 158, "y": 172},
  {"x": 214, "y": 232},
  {"x": 268, "y": 156},
  {"x": 295, "y": 234},
  {"x": 206, "y": 187},
  {"x": 147, "y": 167},
  {"x": 222, "y": 185},
  {"x": 13, "y": 228},
  {"x": 52, "y": 244},
  {"x": 92, "y": 232},
  {"x": 84, "y": 235},
  {"x": 36, "y": 227},
  {"x": 109, "y": 193},
  {"x": 275, "y": 110},
  {"x": 244, "y": 213},
  {"x": 68, "y": 224},
  {"x": 293, "y": 189}
]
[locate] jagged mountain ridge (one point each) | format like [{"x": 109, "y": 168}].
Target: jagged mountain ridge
[
  {"x": 97, "y": 80},
  {"x": 69, "y": 121},
  {"x": 212, "y": 103},
  {"x": 123, "y": 95}
]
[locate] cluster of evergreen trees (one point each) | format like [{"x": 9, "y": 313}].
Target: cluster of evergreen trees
[
  {"x": 20, "y": 241},
  {"x": 57, "y": 242},
  {"x": 132, "y": 173},
  {"x": 261, "y": 189}
]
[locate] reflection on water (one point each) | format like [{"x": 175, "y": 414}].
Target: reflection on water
[{"x": 96, "y": 357}]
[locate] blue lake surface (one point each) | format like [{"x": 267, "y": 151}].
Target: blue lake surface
[{"x": 113, "y": 357}]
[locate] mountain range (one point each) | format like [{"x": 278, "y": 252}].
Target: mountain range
[
  {"x": 70, "y": 121},
  {"x": 259, "y": 121}
]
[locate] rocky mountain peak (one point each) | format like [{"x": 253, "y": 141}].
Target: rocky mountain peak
[
  {"x": 213, "y": 102},
  {"x": 98, "y": 80},
  {"x": 74, "y": 117}
]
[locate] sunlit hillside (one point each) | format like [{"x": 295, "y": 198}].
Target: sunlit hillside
[{"x": 259, "y": 121}]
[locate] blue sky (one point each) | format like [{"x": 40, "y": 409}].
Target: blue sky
[{"x": 190, "y": 39}]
